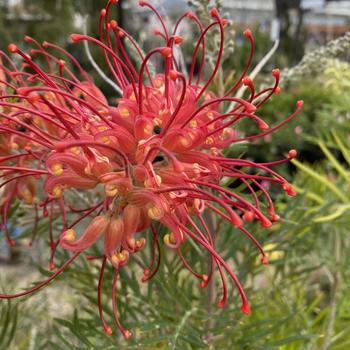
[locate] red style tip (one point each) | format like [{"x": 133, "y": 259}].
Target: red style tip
[
  {"x": 27, "y": 39},
  {"x": 61, "y": 62},
  {"x": 204, "y": 282},
  {"x": 157, "y": 31},
  {"x": 248, "y": 33},
  {"x": 292, "y": 193},
  {"x": 114, "y": 1},
  {"x": 127, "y": 334},
  {"x": 33, "y": 97},
  {"x": 251, "y": 108},
  {"x": 147, "y": 272},
  {"x": 178, "y": 39},
  {"x": 275, "y": 217},
  {"x": 173, "y": 74},
  {"x": 248, "y": 216},
  {"x": 166, "y": 52},
  {"x": 52, "y": 266},
  {"x": 263, "y": 125},
  {"x": 103, "y": 13},
  {"x": 113, "y": 24},
  {"x": 12, "y": 48},
  {"x": 277, "y": 90},
  {"x": 45, "y": 44},
  {"x": 246, "y": 308},
  {"x": 190, "y": 15},
  {"x": 237, "y": 222},
  {"x": 276, "y": 72},
  {"x": 108, "y": 330},
  {"x": 300, "y": 103},
  {"x": 221, "y": 304},
  {"x": 266, "y": 222},
  {"x": 142, "y": 3},
  {"x": 265, "y": 260},
  {"x": 23, "y": 91},
  {"x": 292, "y": 153},
  {"x": 289, "y": 189},
  {"x": 214, "y": 12},
  {"x": 76, "y": 37},
  {"x": 247, "y": 81}
]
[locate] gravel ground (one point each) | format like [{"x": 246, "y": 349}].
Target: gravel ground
[{"x": 37, "y": 312}]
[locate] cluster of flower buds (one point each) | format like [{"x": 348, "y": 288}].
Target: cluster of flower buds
[{"x": 153, "y": 160}]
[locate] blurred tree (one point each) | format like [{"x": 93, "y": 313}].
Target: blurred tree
[
  {"x": 291, "y": 34},
  {"x": 49, "y": 20}
]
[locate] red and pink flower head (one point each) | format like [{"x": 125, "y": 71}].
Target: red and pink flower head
[{"x": 155, "y": 159}]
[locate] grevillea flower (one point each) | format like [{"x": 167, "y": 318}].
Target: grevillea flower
[{"x": 154, "y": 159}]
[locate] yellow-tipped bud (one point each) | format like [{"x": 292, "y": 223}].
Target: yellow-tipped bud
[
  {"x": 193, "y": 123},
  {"x": 196, "y": 168},
  {"x": 158, "y": 83},
  {"x": 209, "y": 140},
  {"x": 124, "y": 255},
  {"x": 120, "y": 258},
  {"x": 147, "y": 129},
  {"x": 14, "y": 146},
  {"x": 106, "y": 139},
  {"x": 75, "y": 150},
  {"x": 214, "y": 151},
  {"x": 28, "y": 196},
  {"x": 115, "y": 259},
  {"x": 57, "y": 191},
  {"x": 207, "y": 97},
  {"x": 184, "y": 142},
  {"x": 111, "y": 190},
  {"x": 69, "y": 235},
  {"x": 124, "y": 112},
  {"x": 57, "y": 169},
  {"x": 132, "y": 242},
  {"x": 140, "y": 243},
  {"x": 149, "y": 182},
  {"x": 227, "y": 131},
  {"x": 197, "y": 203},
  {"x": 169, "y": 239},
  {"x": 155, "y": 213},
  {"x": 157, "y": 121}
]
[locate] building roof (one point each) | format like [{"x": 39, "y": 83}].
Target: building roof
[{"x": 315, "y": 7}]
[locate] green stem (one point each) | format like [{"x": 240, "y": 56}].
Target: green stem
[
  {"x": 334, "y": 291},
  {"x": 210, "y": 220}
]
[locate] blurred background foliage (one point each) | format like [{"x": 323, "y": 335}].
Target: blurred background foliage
[{"x": 300, "y": 301}]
